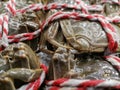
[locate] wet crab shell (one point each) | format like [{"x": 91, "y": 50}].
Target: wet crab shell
[
  {"x": 83, "y": 36},
  {"x": 51, "y": 37},
  {"x": 18, "y": 63},
  {"x": 23, "y": 74},
  {"x": 14, "y": 78},
  {"x": 111, "y": 9},
  {"x": 25, "y": 23},
  {"x": 20, "y": 55},
  {"x": 65, "y": 64},
  {"x": 86, "y": 36}
]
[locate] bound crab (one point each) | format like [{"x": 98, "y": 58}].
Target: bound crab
[
  {"x": 80, "y": 66},
  {"x": 112, "y": 10},
  {"x": 83, "y": 36},
  {"x": 80, "y": 35},
  {"x": 18, "y": 65},
  {"x": 88, "y": 39},
  {"x": 26, "y": 22},
  {"x": 65, "y": 64}
]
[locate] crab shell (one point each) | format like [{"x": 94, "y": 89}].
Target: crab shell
[
  {"x": 24, "y": 74},
  {"x": 65, "y": 64},
  {"x": 20, "y": 56},
  {"x": 27, "y": 22},
  {"x": 51, "y": 37},
  {"x": 8, "y": 79},
  {"x": 111, "y": 9},
  {"x": 18, "y": 62},
  {"x": 83, "y": 36},
  {"x": 86, "y": 36}
]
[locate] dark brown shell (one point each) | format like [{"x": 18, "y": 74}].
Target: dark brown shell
[{"x": 64, "y": 64}]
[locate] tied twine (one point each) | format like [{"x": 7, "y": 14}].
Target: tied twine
[
  {"x": 109, "y": 29},
  {"x": 37, "y": 83},
  {"x": 36, "y": 7},
  {"x": 61, "y": 83},
  {"x": 3, "y": 31},
  {"x": 74, "y": 83},
  {"x": 4, "y": 18},
  {"x": 11, "y": 7},
  {"x": 115, "y": 61}
]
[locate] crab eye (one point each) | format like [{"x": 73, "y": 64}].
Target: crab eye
[{"x": 10, "y": 58}]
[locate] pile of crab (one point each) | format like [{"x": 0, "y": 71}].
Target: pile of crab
[{"x": 77, "y": 40}]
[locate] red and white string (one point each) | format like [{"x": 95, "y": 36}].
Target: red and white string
[
  {"x": 109, "y": 29},
  {"x": 83, "y": 6},
  {"x": 28, "y": 36},
  {"x": 37, "y": 83},
  {"x": 113, "y": 60},
  {"x": 37, "y": 7},
  {"x": 3, "y": 30},
  {"x": 11, "y": 7},
  {"x": 63, "y": 82},
  {"x": 4, "y": 19}
]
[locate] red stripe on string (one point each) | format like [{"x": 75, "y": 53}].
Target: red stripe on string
[
  {"x": 91, "y": 83},
  {"x": 36, "y": 84},
  {"x": 11, "y": 9},
  {"x": 30, "y": 85}
]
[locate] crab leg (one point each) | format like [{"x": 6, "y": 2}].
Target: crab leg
[
  {"x": 6, "y": 83},
  {"x": 24, "y": 74},
  {"x": 26, "y": 53},
  {"x": 51, "y": 35}
]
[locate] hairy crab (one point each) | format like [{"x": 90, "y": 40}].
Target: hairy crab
[
  {"x": 87, "y": 37},
  {"x": 18, "y": 63},
  {"x": 65, "y": 64},
  {"x": 52, "y": 37},
  {"x": 26, "y": 22},
  {"x": 83, "y": 36}
]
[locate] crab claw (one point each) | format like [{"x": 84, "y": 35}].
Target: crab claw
[{"x": 24, "y": 74}]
